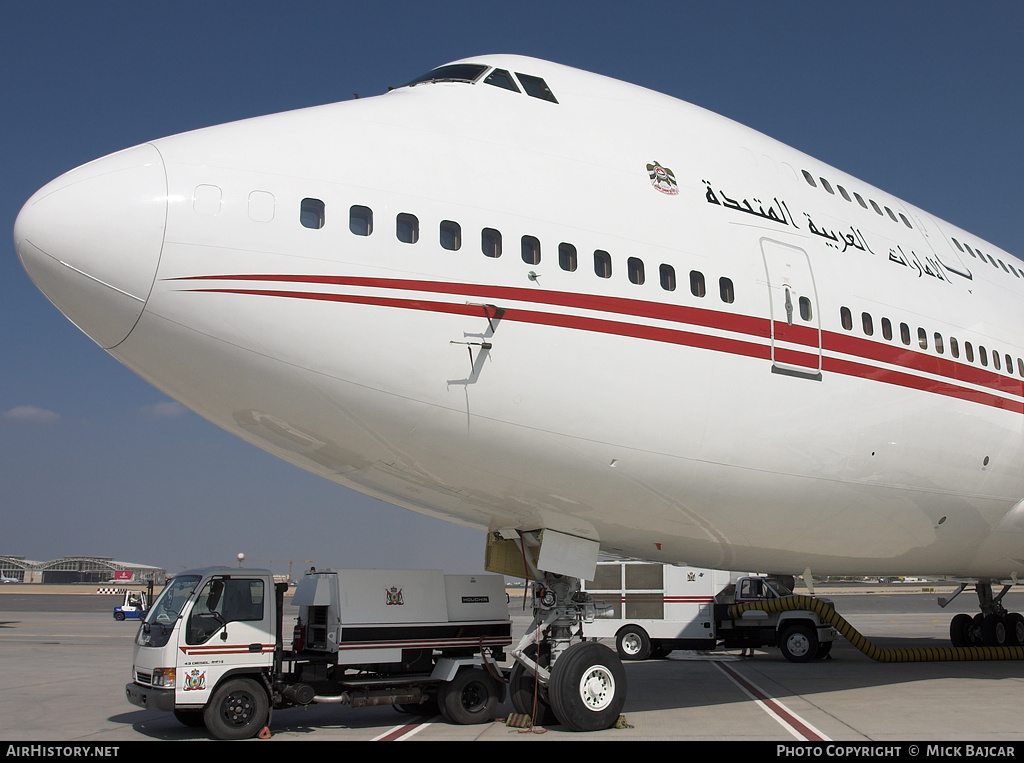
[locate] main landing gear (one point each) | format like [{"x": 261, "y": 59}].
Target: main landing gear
[{"x": 993, "y": 626}]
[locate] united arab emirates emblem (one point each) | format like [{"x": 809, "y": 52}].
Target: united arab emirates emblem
[{"x": 662, "y": 178}]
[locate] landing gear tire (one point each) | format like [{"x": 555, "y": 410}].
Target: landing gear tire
[
  {"x": 960, "y": 630},
  {"x": 994, "y": 631},
  {"x": 588, "y": 687},
  {"x": 471, "y": 697},
  {"x": 522, "y": 687},
  {"x": 633, "y": 643},
  {"x": 1015, "y": 629},
  {"x": 237, "y": 710},
  {"x": 799, "y": 643}
]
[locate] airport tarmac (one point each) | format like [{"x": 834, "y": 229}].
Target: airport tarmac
[{"x": 64, "y": 662}]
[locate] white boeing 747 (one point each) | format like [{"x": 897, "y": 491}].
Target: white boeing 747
[{"x": 581, "y": 315}]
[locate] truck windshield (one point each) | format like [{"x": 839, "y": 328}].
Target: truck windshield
[{"x": 160, "y": 620}]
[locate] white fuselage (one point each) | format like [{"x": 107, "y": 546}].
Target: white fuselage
[{"x": 734, "y": 424}]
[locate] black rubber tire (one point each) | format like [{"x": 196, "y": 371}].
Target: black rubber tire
[
  {"x": 119, "y": 615},
  {"x": 798, "y": 643},
  {"x": 633, "y": 643},
  {"x": 588, "y": 687},
  {"x": 994, "y": 631},
  {"x": 959, "y": 630},
  {"x": 824, "y": 650},
  {"x": 522, "y": 688},
  {"x": 471, "y": 697},
  {"x": 1015, "y": 629},
  {"x": 238, "y": 709}
]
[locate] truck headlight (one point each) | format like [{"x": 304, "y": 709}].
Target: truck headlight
[{"x": 163, "y": 678}]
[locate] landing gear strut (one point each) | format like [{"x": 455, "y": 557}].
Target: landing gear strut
[{"x": 993, "y": 626}]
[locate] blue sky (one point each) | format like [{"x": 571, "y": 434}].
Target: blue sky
[{"x": 923, "y": 99}]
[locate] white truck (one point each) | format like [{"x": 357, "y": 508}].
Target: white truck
[
  {"x": 653, "y": 609},
  {"x": 212, "y": 648}
]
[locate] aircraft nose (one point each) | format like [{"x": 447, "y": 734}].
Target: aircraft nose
[{"x": 91, "y": 240}]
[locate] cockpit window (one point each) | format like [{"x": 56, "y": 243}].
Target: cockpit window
[
  {"x": 536, "y": 87},
  {"x": 450, "y": 73},
  {"x": 501, "y": 78}
]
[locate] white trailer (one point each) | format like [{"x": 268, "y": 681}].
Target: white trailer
[
  {"x": 652, "y": 609},
  {"x": 212, "y": 649}
]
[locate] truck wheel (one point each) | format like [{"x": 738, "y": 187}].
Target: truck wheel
[
  {"x": 799, "y": 643},
  {"x": 470, "y": 697},
  {"x": 588, "y": 687},
  {"x": 237, "y": 710},
  {"x": 633, "y": 643},
  {"x": 119, "y": 615}
]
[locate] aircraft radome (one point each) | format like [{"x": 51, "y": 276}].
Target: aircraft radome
[{"x": 575, "y": 312}]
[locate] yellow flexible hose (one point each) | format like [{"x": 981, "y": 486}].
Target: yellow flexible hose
[{"x": 828, "y": 613}]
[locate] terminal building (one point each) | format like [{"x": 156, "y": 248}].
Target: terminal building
[{"x": 79, "y": 569}]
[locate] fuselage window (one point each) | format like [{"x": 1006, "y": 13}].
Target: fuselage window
[
  {"x": 531, "y": 250},
  {"x": 668, "y": 277},
  {"x": 891, "y": 214},
  {"x": 728, "y": 293},
  {"x": 1020, "y": 366},
  {"x": 887, "y": 329},
  {"x": 451, "y": 236},
  {"x": 635, "y": 270},
  {"x": 905, "y": 334},
  {"x": 697, "y": 287},
  {"x": 922, "y": 338},
  {"x": 536, "y": 87},
  {"x": 860, "y": 200},
  {"x": 843, "y": 192},
  {"x": 1009, "y": 364},
  {"x": 311, "y": 213},
  {"x": 360, "y": 220},
  {"x": 982, "y": 355},
  {"x": 602, "y": 263},
  {"x": 809, "y": 178},
  {"x": 938, "y": 342},
  {"x": 501, "y": 78},
  {"x": 490, "y": 242},
  {"x": 866, "y": 324},
  {"x": 826, "y": 186},
  {"x": 567, "y": 257},
  {"x": 958, "y": 245},
  {"x": 906, "y": 222},
  {"x": 846, "y": 317},
  {"x": 875, "y": 206},
  {"x": 954, "y": 347},
  {"x": 969, "y": 352},
  {"x": 407, "y": 228},
  {"x": 995, "y": 361}
]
